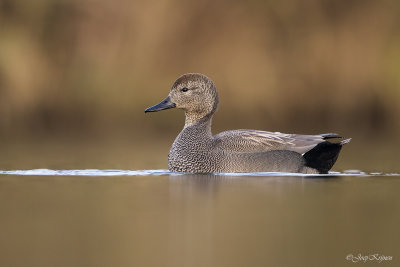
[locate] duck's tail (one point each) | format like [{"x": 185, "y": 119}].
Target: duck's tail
[{"x": 324, "y": 155}]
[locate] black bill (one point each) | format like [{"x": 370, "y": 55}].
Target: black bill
[{"x": 165, "y": 104}]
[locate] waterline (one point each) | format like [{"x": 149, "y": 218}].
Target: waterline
[{"x": 96, "y": 172}]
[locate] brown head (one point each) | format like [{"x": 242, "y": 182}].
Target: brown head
[{"x": 195, "y": 93}]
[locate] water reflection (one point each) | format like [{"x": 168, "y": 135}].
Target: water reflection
[{"x": 196, "y": 220}]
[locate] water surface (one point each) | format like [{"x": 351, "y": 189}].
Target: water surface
[{"x": 158, "y": 218}]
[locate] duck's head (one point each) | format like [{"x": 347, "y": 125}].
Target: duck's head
[{"x": 195, "y": 93}]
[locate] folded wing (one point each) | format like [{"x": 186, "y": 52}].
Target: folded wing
[{"x": 260, "y": 141}]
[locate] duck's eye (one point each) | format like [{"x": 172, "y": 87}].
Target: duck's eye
[{"x": 184, "y": 89}]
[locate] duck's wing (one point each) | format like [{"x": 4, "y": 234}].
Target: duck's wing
[{"x": 260, "y": 141}]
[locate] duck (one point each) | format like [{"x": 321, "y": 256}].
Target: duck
[{"x": 196, "y": 150}]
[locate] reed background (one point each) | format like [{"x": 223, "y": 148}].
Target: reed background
[{"x": 76, "y": 76}]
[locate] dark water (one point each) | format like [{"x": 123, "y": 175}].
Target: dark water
[{"x": 156, "y": 218}]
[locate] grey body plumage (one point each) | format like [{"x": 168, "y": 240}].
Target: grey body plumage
[{"x": 196, "y": 150}]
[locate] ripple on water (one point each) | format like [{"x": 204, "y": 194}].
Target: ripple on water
[
  {"x": 96, "y": 172},
  {"x": 87, "y": 172}
]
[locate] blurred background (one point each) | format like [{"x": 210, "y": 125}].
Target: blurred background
[{"x": 76, "y": 76}]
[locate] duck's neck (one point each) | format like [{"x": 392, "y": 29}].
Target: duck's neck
[{"x": 202, "y": 123}]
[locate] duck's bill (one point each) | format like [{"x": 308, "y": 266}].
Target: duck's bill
[{"x": 165, "y": 104}]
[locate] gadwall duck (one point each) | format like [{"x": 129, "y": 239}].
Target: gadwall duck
[{"x": 196, "y": 150}]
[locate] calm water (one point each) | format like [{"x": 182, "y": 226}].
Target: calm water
[{"x": 157, "y": 218}]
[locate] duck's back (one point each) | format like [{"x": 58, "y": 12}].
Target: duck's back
[{"x": 261, "y": 141}]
